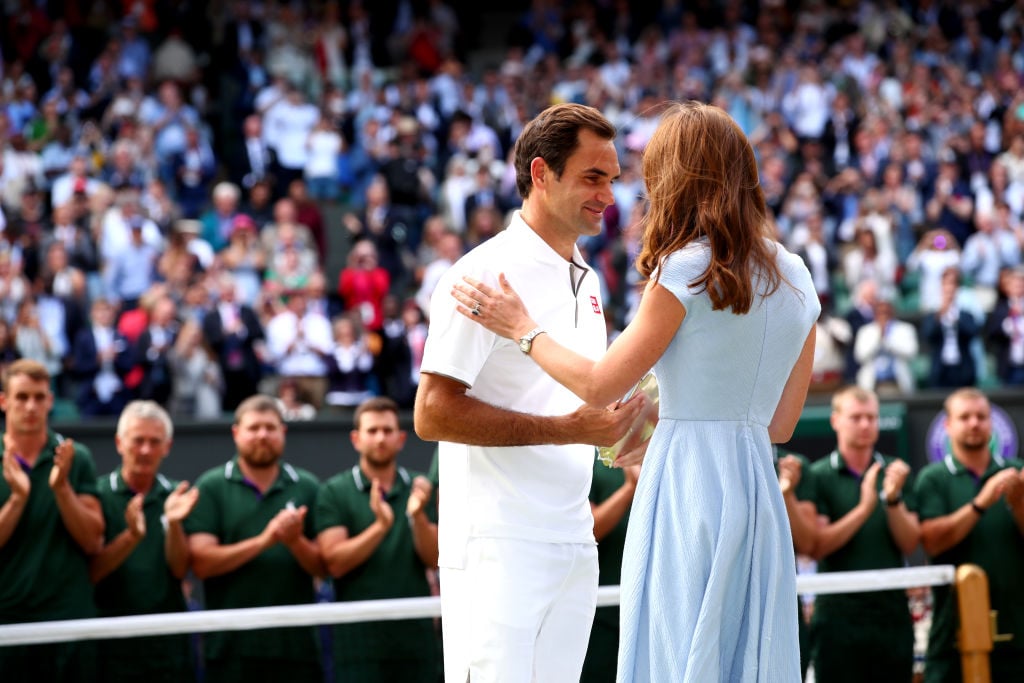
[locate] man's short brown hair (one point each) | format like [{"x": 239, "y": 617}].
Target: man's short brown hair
[
  {"x": 377, "y": 404},
  {"x": 32, "y": 369},
  {"x": 258, "y": 403},
  {"x": 553, "y": 135}
]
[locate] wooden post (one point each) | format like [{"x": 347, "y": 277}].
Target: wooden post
[{"x": 975, "y": 636}]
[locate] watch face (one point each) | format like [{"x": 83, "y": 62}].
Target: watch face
[{"x": 524, "y": 345}]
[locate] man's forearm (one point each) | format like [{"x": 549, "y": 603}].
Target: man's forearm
[
  {"x": 905, "y": 528},
  {"x": 424, "y": 538},
  {"x": 307, "y": 554},
  {"x": 609, "y": 511},
  {"x": 113, "y": 555},
  {"x": 942, "y": 533},
  {"x": 463, "y": 419},
  {"x": 342, "y": 554},
  {"x": 82, "y": 517},
  {"x": 211, "y": 560},
  {"x": 176, "y": 549},
  {"x": 836, "y": 535},
  {"x": 10, "y": 515}
]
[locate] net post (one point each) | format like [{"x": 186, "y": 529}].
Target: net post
[{"x": 975, "y": 636}]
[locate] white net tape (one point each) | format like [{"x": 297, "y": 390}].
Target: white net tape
[{"x": 403, "y": 608}]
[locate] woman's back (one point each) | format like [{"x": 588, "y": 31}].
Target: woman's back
[
  {"x": 708, "y": 533},
  {"x": 723, "y": 366}
]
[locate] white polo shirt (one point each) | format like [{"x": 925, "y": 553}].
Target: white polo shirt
[{"x": 536, "y": 493}]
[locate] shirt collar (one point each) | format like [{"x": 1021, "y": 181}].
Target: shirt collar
[
  {"x": 838, "y": 464},
  {"x": 45, "y": 455},
  {"x": 232, "y": 472},
  {"x": 954, "y": 466},
  {"x": 363, "y": 482},
  {"x": 119, "y": 485},
  {"x": 538, "y": 248}
]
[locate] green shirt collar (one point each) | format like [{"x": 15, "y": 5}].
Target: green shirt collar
[
  {"x": 232, "y": 472},
  {"x": 995, "y": 463},
  {"x": 839, "y": 465},
  {"x": 119, "y": 485},
  {"x": 53, "y": 439},
  {"x": 363, "y": 482}
]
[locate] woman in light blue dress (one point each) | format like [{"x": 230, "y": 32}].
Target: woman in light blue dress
[{"x": 727, "y": 323}]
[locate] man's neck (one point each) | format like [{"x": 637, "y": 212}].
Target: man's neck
[
  {"x": 29, "y": 445},
  {"x": 540, "y": 224},
  {"x": 385, "y": 474},
  {"x": 261, "y": 477},
  {"x": 137, "y": 483},
  {"x": 857, "y": 459}
]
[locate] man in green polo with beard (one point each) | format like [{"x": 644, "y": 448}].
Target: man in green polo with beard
[
  {"x": 251, "y": 538},
  {"x": 378, "y": 536},
  {"x": 972, "y": 511}
]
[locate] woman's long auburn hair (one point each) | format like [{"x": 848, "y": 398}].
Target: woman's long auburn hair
[{"x": 702, "y": 181}]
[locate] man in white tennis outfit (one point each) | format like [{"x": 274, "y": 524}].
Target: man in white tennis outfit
[{"x": 517, "y": 552}]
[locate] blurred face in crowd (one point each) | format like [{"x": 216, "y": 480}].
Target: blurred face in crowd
[
  {"x": 855, "y": 423},
  {"x": 164, "y": 311},
  {"x": 969, "y": 422},
  {"x": 259, "y": 438},
  {"x": 142, "y": 445},
  {"x": 284, "y": 211},
  {"x": 102, "y": 314},
  {"x": 344, "y": 331},
  {"x": 378, "y": 438},
  {"x": 883, "y": 313}
]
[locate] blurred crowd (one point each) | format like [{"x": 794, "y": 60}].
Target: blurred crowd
[{"x": 192, "y": 215}]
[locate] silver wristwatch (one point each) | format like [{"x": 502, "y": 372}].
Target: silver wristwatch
[{"x": 526, "y": 343}]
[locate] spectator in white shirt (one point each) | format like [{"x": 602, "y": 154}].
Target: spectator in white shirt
[
  {"x": 287, "y": 125},
  {"x": 807, "y": 106},
  {"x": 299, "y": 341},
  {"x": 986, "y": 253},
  {"x": 884, "y": 348},
  {"x": 323, "y": 145}
]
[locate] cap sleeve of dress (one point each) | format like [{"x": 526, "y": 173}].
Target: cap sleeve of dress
[{"x": 680, "y": 268}]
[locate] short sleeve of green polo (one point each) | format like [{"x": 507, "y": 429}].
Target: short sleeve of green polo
[
  {"x": 206, "y": 516},
  {"x": 820, "y": 472},
  {"x": 331, "y": 510},
  {"x": 310, "y": 487},
  {"x": 909, "y": 492},
  {"x": 83, "y": 472},
  {"x": 929, "y": 495}
]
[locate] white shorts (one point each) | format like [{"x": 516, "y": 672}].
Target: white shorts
[{"x": 519, "y": 612}]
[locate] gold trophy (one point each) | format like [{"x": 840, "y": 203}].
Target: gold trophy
[{"x": 642, "y": 428}]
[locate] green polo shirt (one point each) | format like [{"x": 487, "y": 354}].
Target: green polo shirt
[
  {"x": 44, "y": 574},
  {"x": 603, "y": 648},
  {"x": 995, "y": 544},
  {"x": 878, "y": 622},
  {"x": 233, "y": 510},
  {"x": 394, "y": 570},
  {"x": 143, "y": 584},
  {"x": 804, "y": 491}
]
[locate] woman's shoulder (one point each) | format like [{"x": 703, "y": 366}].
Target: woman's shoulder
[
  {"x": 693, "y": 256},
  {"x": 787, "y": 261}
]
